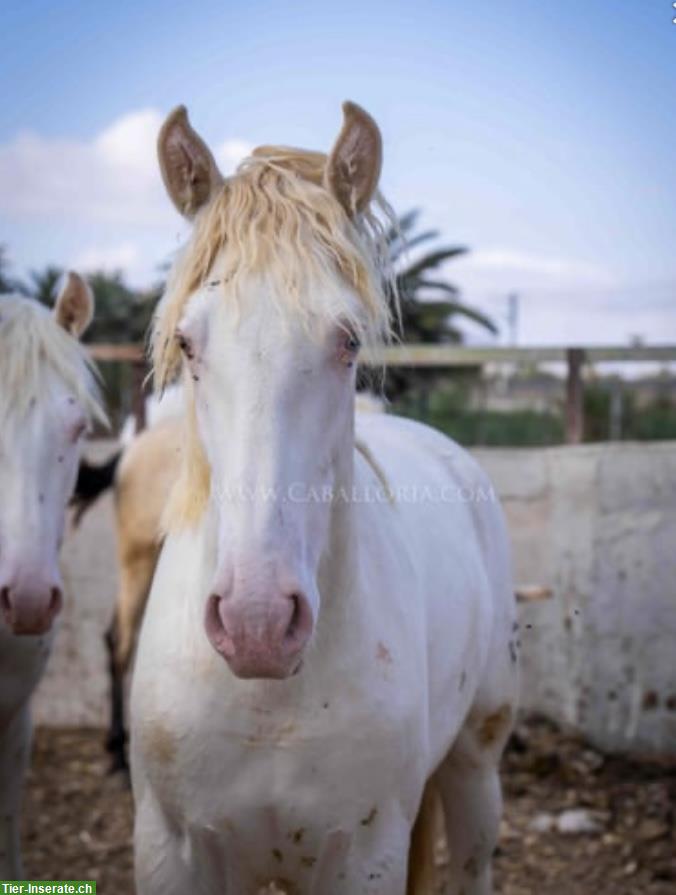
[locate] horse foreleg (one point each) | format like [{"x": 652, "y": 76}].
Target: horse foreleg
[
  {"x": 161, "y": 866},
  {"x": 472, "y": 808},
  {"x": 469, "y": 785},
  {"x": 117, "y": 737},
  {"x": 136, "y": 574},
  {"x": 15, "y": 741}
]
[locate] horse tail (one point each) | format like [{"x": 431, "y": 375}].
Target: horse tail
[
  {"x": 421, "y": 864},
  {"x": 92, "y": 480}
]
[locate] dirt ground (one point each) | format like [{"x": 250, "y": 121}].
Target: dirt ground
[{"x": 77, "y": 819}]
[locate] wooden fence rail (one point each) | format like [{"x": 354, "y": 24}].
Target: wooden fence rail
[{"x": 453, "y": 356}]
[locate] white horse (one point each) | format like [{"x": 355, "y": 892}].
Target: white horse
[
  {"x": 47, "y": 398},
  {"x": 330, "y": 627}
]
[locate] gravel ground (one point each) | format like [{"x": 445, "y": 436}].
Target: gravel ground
[{"x": 77, "y": 819}]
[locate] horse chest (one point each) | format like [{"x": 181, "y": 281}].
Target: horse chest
[
  {"x": 285, "y": 795},
  {"x": 322, "y": 763}
]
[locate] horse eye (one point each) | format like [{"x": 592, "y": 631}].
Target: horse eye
[
  {"x": 348, "y": 346},
  {"x": 184, "y": 344}
]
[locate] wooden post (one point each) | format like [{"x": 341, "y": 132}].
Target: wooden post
[
  {"x": 138, "y": 401},
  {"x": 574, "y": 396}
]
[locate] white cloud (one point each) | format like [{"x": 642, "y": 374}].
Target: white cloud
[
  {"x": 526, "y": 266},
  {"x": 230, "y": 153},
  {"x": 562, "y": 300},
  {"x": 128, "y": 144},
  {"x": 113, "y": 178},
  {"x": 124, "y": 256}
]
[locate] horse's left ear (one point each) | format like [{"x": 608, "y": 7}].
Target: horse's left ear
[
  {"x": 74, "y": 307},
  {"x": 353, "y": 168}
]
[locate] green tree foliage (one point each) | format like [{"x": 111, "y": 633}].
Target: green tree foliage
[{"x": 430, "y": 305}]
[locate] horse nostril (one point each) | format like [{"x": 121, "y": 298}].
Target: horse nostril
[
  {"x": 4, "y": 599},
  {"x": 292, "y": 627},
  {"x": 299, "y": 621},
  {"x": 217, "y": 628},
  {"x": 55, "y": 601}
]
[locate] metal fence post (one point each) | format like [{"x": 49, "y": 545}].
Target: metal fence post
[{"x": 574, "y": 396}]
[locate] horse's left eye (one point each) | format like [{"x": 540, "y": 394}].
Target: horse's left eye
[{"x": 352, "y": 344}]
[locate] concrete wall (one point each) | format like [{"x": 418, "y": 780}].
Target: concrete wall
[{"x": 595, "y": 524}]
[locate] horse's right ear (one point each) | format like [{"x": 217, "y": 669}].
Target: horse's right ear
[
  {"x": 188, "y": 168},
  {"x": 74, "y": 307}
]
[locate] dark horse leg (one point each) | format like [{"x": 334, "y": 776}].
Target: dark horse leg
[{"x": 116, "y": 740}]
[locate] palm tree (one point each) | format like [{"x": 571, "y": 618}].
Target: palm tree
[{"x": 429, "y": 304}]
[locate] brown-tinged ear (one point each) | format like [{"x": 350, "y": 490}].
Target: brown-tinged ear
[
  {"x": 188, "y": 168},
  {"x": 74, "y": 307},
  {"x": 353, "y": 168}
]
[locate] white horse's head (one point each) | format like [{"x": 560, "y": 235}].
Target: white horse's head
[
  {"x": 268, "y": 305},
  {"x": 47, "y": 398}
]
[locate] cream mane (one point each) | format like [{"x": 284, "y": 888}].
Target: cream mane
[
  {"x": 33, "y": 350},
  {"x": 275, "y": 216}
]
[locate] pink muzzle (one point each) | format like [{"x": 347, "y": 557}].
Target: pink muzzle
[
  {"x": 259, "y": 637},
  {"x": 30, "y": 607}
]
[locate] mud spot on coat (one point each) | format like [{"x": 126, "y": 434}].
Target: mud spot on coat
[
  {"x": 160, "y": 743},
  {"x": 383, "y": 654},
  {"x": 370, "y": 817},
  {"x": 494, "y": 726},
  {"x": 308, "y": 861},
  {"x": 277, "y": 855},
  {"x": 297, "y": 835}
]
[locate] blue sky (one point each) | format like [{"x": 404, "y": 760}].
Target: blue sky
[{"x": 540, "y": 134}]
